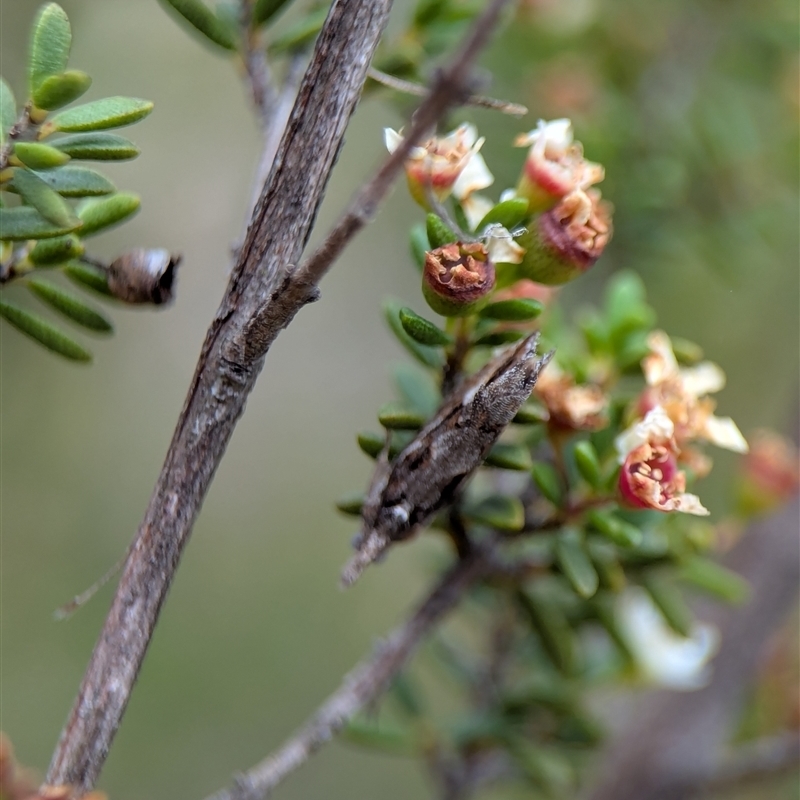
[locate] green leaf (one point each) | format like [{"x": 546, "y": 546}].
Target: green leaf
[
  {"x": 203, "y": 20},
  {"x": 509, "y": 456},
  {"x": 418, "y": 240},
  {"x": 39, "y": 156},
  {"x": 519, "y": 309},
  {"x": 626, "y": 306},
  {"x": 351, "y": 504},
  {"x": 302, "y": 33},
  {"x": 68, "y": 304},
  {"x": 60, "y": 90},
  {"x": 8, "y": 110},
  {"x": 547, "y": 482},
  {"x": 110, "y": 112},
  {"x": 55, "y": 251},
  {"x": 96, "y": 147},
  {"x": 531, "y": 413},
  {"x": 43, "y": 332},
  {"x": 389, "y": 739},
  {"x": 554, "y": 630},
  {"x": 438, "y": 232},
  {"x": 575, "y": 563},
  {"x": 497, "y": 338},
  {"x": 686, "y": 352},
  {"x": 430, "y": 356},
  {"x": 716, "y": 579},
  {"x": 72, "y": 181},
  {"x": 265, "y": 10},
  {"x": 422, "y": 331},
  {"x": 397, "y": 417},
  {"x": 609, "y": 570},
  {"x": 417, "y": 388},
  {"x": 88, "y": 276},
  {"x": 497, "y": 511},
  {"x": 35, "y": 192},
  {"x": 588, "y": 463},
  {"x": 24, "y": 222},
  {"x": 427, "y": 11},
  {"x": 670, "y": 603},
  {"x": 100, "y": 213},
  {"x": 51, "y": 39},
  {"x": 371, "y": 443},
  {"x": 615, "y": 529},
  {"x": 509, "y": 214}
]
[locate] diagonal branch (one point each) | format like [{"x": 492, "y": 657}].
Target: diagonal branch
[{"x": 264, "y": 293}]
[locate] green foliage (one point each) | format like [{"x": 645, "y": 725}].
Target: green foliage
[
  {"x": 438, "y": 232},
  {"x": 39, "y": 225},
  {"x": 212, "y": 27}
]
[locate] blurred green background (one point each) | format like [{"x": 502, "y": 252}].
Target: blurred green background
[{"x": 691, "y": 106}]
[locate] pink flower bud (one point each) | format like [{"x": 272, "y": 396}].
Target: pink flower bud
[{"x": 457, "y": 278}]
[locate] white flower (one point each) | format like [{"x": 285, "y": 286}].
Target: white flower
[
  {"x": 655, "y": 428},
  {"x": 501, "y": 245}
]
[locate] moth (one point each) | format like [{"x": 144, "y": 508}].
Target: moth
[{"x": 425, "y": 476}]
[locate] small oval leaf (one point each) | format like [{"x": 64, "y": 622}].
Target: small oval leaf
[
  {"x": 588, "y": 464},
  {"x": 498, "y": 511},
  {"x": 438, "y": 232},
  {"x": 43, "y": 332},
  {"x": 576, "y": 564},
  {"x": 60, "y": 90},
  {"x": 47, "y": 252},
  {"x": 73, "y": 181},
  {"x": 531, "y": 413},
  {"x": 716, "y": 579},
  {"x": 110, "y": 112},
  {"x": 40, "y": 156},
  {"x": 615, "y": 529},
  {"x": 96, "y": 147},
  {"x": 203, "y": 20},
  {"x": 35, "y": 192},
  {"x": 504, "y": 455},
  {"x": 88, "y": 276},
  {"x": 419, "y": 244},
  {"x": 421, "y": 330},
  {"x": 398, "y": 417},
  {"x": 417, "y": 388},
  {"x": 371, "y": 443},
  {"x": 509, "y": 214},
  {"x": 550, "y": 622},
  {"x": 547, "y": 482},
  {"x": 302, "y": 33},
  {"x": 265, "y": 10},
  {"x": 519, "y": 309},
  {"x": 670, "y": 603},
  {"x": 100, "y": 213},
  {"x": 51, "y": 39},
  {"x": 8, "y": 110},
  {"x": 430, "y": 356},
  {"x": 68, "y": 304},
  {"x": 23, "y": 222},
  {"x": 497, "y": 338},
  {"x": 351, "y": 504}
]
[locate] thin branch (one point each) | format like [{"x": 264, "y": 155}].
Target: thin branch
[
  {"x": 418, "y": 90},
  {"x": 263, "y": 296},
  {"x": 364, "y": 684}
]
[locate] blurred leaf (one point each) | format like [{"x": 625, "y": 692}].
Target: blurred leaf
[
  {"x": 422, "y": 331},
  {"x": 547, "y": 768},
  {"x": 371, "y": 443},
  {"x": 617, "y": 530},
  {"x": 609, "y": 570},
  {"x": 505, "y": 455},
  {"x": 68, "y": 304},
  {"x": 531, "y": 412},
  {"x": 549, "y": 621},
  {"x": 351, "y": 503},
  {"x": 587, "y": 463},
  {"x": 384, "y": 738},
  {"x": 417, "y": 388},
  {"x": 35, "y": 192},
  {"x": 398, "y": 417},
  {"x": 203, "y": 20},
  {"x": 265, "y": 10},
  {"x": 509, "y": 214},
  {"x": 8, "y": 110},
  {"x": 497, "y": 511},
  {"x": 110, "y": 112},
  {"x": 39, "y": 156},
  {"x": 96, "y": 147},
  {"x": 626, "y": 306},
  {"x": 686, "y": 352},
  {"x": 51, "y": 39},
  {"x": 100, "y": 213},
  {"x": 302, "y": 33},
  {"x": 438, "y": 233},
  {"x": 43, "y": 332},
  {"x": 430, "y": 356},
  {"x": 418, "y": 240},
  {"x": 56, "y": 91},
  {"x": 716, "y": 579},
  {"x": 73, "y": 181},
  {"x": 497, "y": 338},
  {"x": 56, "y": 251},
  {"x": 88, "y": 276},
  {"x": 575, "y": 563},
  {"x": 426, "y": 11},
  {"x": 24, "y": 222},
  {"x": 548, "y": 482},
  {"x": 520, "y": 309},
  {"x": 407, "y": 695},
  {"x": 670, "y": 603}
]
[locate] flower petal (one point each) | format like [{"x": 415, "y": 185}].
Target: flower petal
[
  {"x": 474, "y": 177},
  {"x": 723, "y": 432},
  {"x": 656, "y": 427}
]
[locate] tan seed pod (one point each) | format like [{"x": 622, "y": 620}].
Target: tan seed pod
[{"x": 143, "y": 276}]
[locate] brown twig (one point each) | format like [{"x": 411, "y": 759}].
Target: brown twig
[
  {"x": 263, "y": 295},
  {"x": 365, "y": 683}
]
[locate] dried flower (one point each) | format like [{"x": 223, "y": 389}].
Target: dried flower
[
  {"x": 501, "y": 245},
  {"x": 571, "y": 406},
  {"x": 650, "y": 477},
  {"x": 143, "y": 276},
  {"x": 456, "y": 278},
  {"x": 555, "y": 166},
  {"x": 446, "y": 165},
  {"x": 564, "y": 242},
  {"x": 770, "y": 473}
]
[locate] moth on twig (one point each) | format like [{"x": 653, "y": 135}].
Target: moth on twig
[{"x": 407, "y": 492}]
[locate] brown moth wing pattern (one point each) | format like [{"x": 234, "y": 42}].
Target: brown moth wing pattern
[{"x": 426, "y": 474}]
